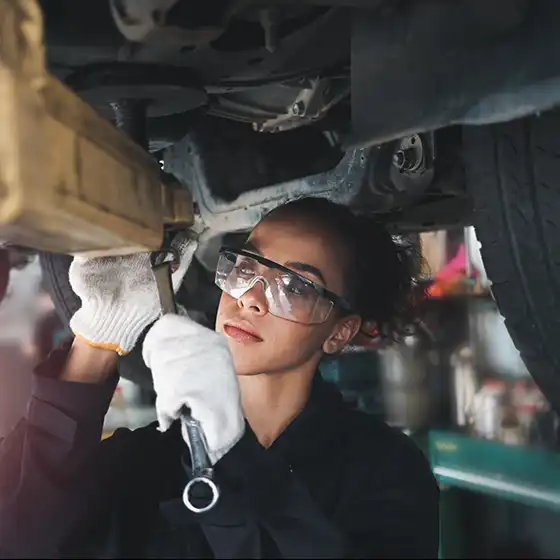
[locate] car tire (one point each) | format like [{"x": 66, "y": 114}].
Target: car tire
[
  {"x": 54, "y": 268},
  {"x": 513, "y": 175},
  {"x": 5, "y": 267}
]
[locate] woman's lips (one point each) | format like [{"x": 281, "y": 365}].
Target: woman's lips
[{"x": 241, "y": 334}]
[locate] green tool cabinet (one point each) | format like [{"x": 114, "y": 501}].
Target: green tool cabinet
[{"x": 526, "y": 475}]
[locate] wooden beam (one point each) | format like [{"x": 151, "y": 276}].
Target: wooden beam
[{"x": 69, "y": 180}]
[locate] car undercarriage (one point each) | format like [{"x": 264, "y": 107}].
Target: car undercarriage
[{"x": 426, "y": 113}]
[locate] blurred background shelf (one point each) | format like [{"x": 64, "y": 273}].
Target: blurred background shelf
[{"x": 527, "y": 475}]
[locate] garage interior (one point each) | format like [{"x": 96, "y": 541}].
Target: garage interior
[
  {"x": 132, "y": 138},
  {"x": 458, "y": 388}
]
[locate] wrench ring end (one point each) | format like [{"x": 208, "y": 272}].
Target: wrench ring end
[{"x": 213, "y": 487}]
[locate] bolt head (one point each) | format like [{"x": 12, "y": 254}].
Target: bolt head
[{"x": 298, "y": 108}]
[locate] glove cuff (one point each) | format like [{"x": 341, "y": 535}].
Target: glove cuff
[{"x": 120, "y": 331}]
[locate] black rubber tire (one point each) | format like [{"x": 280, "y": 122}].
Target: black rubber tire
[
  {"x": 513, "y": 175},
  {"x": 54, "y": 268},
  {"x": 55, "y": 276},
  {"x": 4, "y": 272}
]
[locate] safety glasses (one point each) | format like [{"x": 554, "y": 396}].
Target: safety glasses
[{"x": 288, "y": 294}]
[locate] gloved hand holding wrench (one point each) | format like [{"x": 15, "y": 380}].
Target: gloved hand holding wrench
[{"x": 192, "y": 369}]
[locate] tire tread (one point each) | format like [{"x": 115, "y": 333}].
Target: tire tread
[{"x": 511, "y": 169}]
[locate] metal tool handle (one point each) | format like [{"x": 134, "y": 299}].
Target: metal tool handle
[
  {"x": 201, "y": 467},
  {"x": 161, "y": 262},
  {"x": 202, "y": 472}
]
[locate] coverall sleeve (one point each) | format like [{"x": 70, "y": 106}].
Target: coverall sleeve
[
  {"x": 266, "y": 511},
  {"x": 41, "y": 460}
]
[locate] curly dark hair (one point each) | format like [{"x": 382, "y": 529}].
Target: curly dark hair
[{"x": 380, "y": 272}]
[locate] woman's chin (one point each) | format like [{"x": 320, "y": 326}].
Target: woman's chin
[{"x": 244, "y": 363}]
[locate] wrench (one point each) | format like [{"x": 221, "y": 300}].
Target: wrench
[{"x": 202, "y": 472}]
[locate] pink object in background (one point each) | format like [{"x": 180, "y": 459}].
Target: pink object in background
[{"x": 457, "y": 266}]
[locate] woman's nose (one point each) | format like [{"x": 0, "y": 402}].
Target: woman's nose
[{"x": 254, "y": 299}]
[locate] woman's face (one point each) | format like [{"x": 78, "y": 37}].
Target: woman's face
[{"x": 276, "y": 344}]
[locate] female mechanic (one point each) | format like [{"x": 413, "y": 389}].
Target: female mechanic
[{"x": 300, "y": 473}]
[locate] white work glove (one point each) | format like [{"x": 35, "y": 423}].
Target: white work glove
[
  {"x": 192, "y": 367},
  {"x": 119, "y": 296}
]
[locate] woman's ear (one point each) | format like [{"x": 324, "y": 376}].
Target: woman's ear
[{"x": 343, "y": 332}]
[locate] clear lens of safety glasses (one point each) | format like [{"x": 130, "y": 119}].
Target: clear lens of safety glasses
[{"x": 288, "y": 295}]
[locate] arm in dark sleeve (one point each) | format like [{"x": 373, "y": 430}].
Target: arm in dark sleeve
[
  {"x": 266, "y": 511},
  {"x": 42, "y": 457}
]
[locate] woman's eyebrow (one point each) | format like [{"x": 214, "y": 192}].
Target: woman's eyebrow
[
  {"x": 296, "y": 265},
  {"x": 250, "y": 246},
  {"x": 305, "y": 267}
]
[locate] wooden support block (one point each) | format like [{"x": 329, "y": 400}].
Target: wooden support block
[{"x": 69, "y": 180}]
